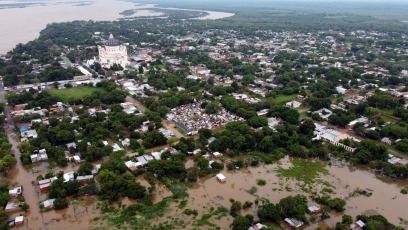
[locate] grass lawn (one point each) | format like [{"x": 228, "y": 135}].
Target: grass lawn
[
  {"x": 77, "y": 92},
  {"x": 388, "y": 119},
  {"x": 304, "y": 114},
  {"x": 392, "y": 147},
  {"x": 284, "y": 98},
  {"x": 181, "y": 131},
  {"x": 389, "y": 112}
]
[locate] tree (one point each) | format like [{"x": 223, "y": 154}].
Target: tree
[
  {"x": 240, "y": 223},
  {"x": 402, "y": 145},
  {"x": 202, "y": 163},
  {"x": 307, "y": 127},
  {"x": 258, "y": 121},
  {"x": 135, "y": 190},
  {"x": 212, "y": 108},
  {"x": 60, "y": 203},
  {"x": 85, "y": 169},
  {"x": 294, "y": 206},
  {"x": 270, "y": 212}
]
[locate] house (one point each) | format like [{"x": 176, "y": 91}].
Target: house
[
  {"x": 294, "y": 223},
  {"x": 217, "y": 154},
  {"x": 84, "y": 179},
  {"x": 313, "y": 210},
  {"x": 16, "y": 192},
  {"x": 293, "y": 104},
  {"x": 49, "y": 203},
  {"x": 77, "y": 159},
  {"x": 358, "y": 225},
  {"x": 354, "y": 122},
  {"x": 221, "y": 177},
  {"x": 257, "y": 226},
  {"x": 386, "y": 140},
  {"x": 19, "y": 221},
  {"x": 29, "y": 134},
  {"x": 12, "y": 206},
  {"x": 68, "y": 176},
  {"x": 44, "y": 187}
]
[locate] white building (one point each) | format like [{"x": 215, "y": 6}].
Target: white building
[{"x": 113, "y": 53}]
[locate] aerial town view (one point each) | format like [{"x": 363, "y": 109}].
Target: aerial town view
[{"x": 204, "y": 114}]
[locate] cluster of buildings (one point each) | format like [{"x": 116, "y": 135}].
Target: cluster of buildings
[{"x": 193, "y": 117}]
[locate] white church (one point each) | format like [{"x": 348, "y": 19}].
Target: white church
[{"x": 113, "y": 53}]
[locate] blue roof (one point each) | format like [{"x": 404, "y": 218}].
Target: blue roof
[{"x": 22, "y": 129}]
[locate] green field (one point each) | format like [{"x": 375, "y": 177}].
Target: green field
[
  {"x": 388, "y": 119},
  {"x": 78, "y": 92},
  {"x": 389, "y": 112},
  {"x": 284, "y": 98}
]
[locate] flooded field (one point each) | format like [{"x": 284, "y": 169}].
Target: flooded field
[
  {"x": 241, "y": 185},
  {"x": 385, "y": 200}
]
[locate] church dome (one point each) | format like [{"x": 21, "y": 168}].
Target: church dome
[{"x": 112, "y": 41}]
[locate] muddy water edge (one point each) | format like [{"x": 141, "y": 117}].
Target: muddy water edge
[
  {"x": 208, "y": 193},
  {"x": 344, "y": 179}
]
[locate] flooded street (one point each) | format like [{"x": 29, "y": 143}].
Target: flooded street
[{"x": 79, "y": 214}]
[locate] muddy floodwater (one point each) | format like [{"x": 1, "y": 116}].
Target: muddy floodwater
[
  {"x": 385, "y": 200},
  {"x": 83, "y": 213}
]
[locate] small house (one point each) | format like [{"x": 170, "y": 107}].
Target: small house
[
  {"x": 85, "y": 179},
  {"x": 313, "y": 210},
  {"x": 358, "y": 225},
  {"x": 221, "y": 177},
  {"x": 44, "y": 187},
  {"x": 11, "y": 206},
  {"x": 16, "y": 192},
  {"x": 258, "y": 226},
  {"x": 19, "y": 220},
  {"x": 49, "y": 203},
  {"x": 294, "y": 223},
  {"x": 217, "y": 154},
  {"x": 77, "y": 159}
]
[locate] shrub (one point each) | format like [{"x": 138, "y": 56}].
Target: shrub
[{"x": 261, "y": 182}]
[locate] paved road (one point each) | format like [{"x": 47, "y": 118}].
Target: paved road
[{"x": 173, "y": 129}]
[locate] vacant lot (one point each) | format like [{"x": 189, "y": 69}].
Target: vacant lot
[{"x": 78, "y": 92}]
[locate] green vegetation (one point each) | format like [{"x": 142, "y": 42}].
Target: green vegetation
[
  {"x": 303, "y": 170},
  {"x": 261, "y": 182},
  {"x": 283, "y": 98},
  {"x": 77, "y": 93}
]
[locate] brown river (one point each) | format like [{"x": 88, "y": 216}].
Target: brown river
[{"x": 21, "y": 25}]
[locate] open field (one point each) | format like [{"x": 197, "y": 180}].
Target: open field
[
  {"x": 388, "y": 119},
  {"x": 389, "y": 112},
  {"x": 284, "y": 98},
  {"x": 77, "y": 93}
]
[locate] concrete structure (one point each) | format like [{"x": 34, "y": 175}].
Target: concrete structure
[
  {"x": 113, "y": 53},
  {"x": 221, "y": 177},
  {"x": 333, "y": 136}
]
